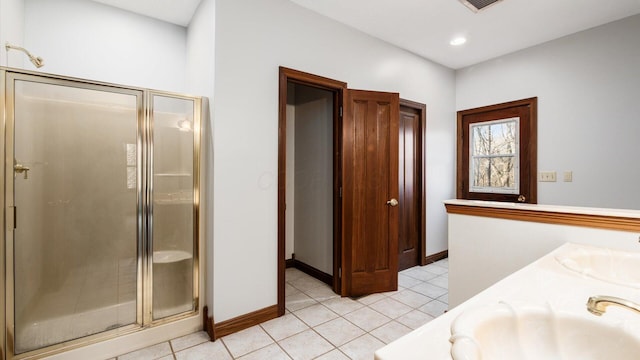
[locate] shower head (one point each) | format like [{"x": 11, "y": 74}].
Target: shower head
[{"x": 36, "y": 60}]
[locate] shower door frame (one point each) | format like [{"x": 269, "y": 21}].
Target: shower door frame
[{"x": 144, "y": 215}]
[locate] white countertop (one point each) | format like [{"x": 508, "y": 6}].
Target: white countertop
[
  {"x": 626, "y": 213},
  {"x": 544, "y": 281}
]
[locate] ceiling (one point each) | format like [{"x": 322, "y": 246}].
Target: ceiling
[
  {"x": 425, "y": 27},
  {"x": 177, "y": 12}
]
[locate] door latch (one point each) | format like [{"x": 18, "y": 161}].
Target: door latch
[{"x": 19, "y": 169}]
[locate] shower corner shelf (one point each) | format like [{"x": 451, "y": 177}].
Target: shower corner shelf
[
  {"x": 170, "y": 256},
  {"x": 173, "y": 202},
  {"x": 173, "y": 174}
]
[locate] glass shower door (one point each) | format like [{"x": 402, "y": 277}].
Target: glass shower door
[
  {"x": 174, "y": 207},
  {"x": 76, "y": 193}
]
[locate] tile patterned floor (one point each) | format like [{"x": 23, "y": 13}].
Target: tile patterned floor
[{"x": 319, "y": 324}]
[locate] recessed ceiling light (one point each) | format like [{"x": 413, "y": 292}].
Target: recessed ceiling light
[{"x": 458, "y": 41}]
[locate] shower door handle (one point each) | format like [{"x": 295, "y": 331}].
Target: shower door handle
[{"x": 19, "y": 169}]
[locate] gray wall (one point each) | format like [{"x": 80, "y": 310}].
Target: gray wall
[
  {"x": 313, "y": 234},
  {"x": 588, "y": 88}
]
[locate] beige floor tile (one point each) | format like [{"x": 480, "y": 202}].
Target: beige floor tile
[
  {"x": 390, "y": 308},
  {"x": 391, "y": 293},
  {"x": 205, "y": 351},
  {"x": 419, "y": 273},
  {"x": 435, "y": 269},
  {"x": 444, "y": 298},
  {"x": 407, "y": 281},
  {"x": 367, "y": 319},
  {"x": 414, "y": 319},
  {"x": 271, "y": 352},
  {"x": 342, "y": 305},
  {"x": 362, "y": 348},
  {"x": 444, "y": 263},
  {"x": 429, "y": 290},
  {"x": 434, "y": 308},
  {"x": 306, "y": 283},
  {"x": 292, "y": 274},
  {"x": 390, "y": 331},
  {"x": 321, "y": 293},
  {"x": 411, "y": 298},
  {"x": 306, "y": 345},
  {"x": 339, "y": 331},
  {"x": 190, "y": 340},
  {"x": 333, "y": 355},
  {"x": 370, "y": 299},
  {"x": 149, "y": 353},
  {"x": 315, "y": 315},
  {"x": 290, "y": 290},
  {"x": 284, "y": 327},
  {"x": 246, "y": 341},
  {"x": 440, "y": 281},
  {"x": 298, "y": 301}
]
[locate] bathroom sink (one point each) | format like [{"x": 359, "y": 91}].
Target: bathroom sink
[
  {"x": 614, "y": 266},
  {"x": 529, "y": 332}
]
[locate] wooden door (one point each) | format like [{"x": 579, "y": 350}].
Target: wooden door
[
  {"x": 410, "y": 188},
  {"x": 370, "y": 193}
]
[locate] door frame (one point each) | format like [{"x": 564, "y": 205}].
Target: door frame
[
  {"x": 422, "y": 111},
  {"x": 338, "y": 88}
]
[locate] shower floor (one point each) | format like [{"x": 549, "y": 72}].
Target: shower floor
[{"x": 91, "y": 300}]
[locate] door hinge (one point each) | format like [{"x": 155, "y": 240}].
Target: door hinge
[
  {"x": 340, "y": 191},
  {"x": 340, "y": 111},
  {"x": 340, "y": 272},
  {"x": 11, "y": 217}
]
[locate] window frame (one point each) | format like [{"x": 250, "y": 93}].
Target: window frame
[{"x": 526, "y": 110}]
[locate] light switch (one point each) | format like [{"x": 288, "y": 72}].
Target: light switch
[
  {"x": 547, "y": 176},
  {"x": 568, "y": 176}
]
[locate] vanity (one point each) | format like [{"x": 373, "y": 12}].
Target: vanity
[
  {"x": 552, "y": 292},
  {"x": 522, "y": 271}
]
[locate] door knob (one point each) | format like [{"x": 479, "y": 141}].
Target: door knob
[
  {"x": 19, "y": 169},
  {"x": 392, "y": 202}
]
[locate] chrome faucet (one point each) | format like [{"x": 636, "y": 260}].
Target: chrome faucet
[{"x": 597, "y": 305}]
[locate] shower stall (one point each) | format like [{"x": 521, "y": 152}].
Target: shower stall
[{"x": 101, "y": 210}]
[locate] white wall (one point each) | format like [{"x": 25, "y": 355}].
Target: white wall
[
  {"x": 200, "y": 59},
  {"x": 588, "y": 87},
  {"x": 11, "y": 31},
  {"x": 253, "y": 38},
  {"x": 90, "y": 40}
]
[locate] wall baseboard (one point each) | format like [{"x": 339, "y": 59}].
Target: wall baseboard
[
  {"x": 313, "y": 272},
  {"x": 289, "y": 263},
  {"x": 435, "y": 257},
  {"x": 207, "y": 323},
  {"x": 245, "y": 321}
]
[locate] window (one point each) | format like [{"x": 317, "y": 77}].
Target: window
[
  {"x": 494, "y": 156},
  {"x": 497, "y": 152}
]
